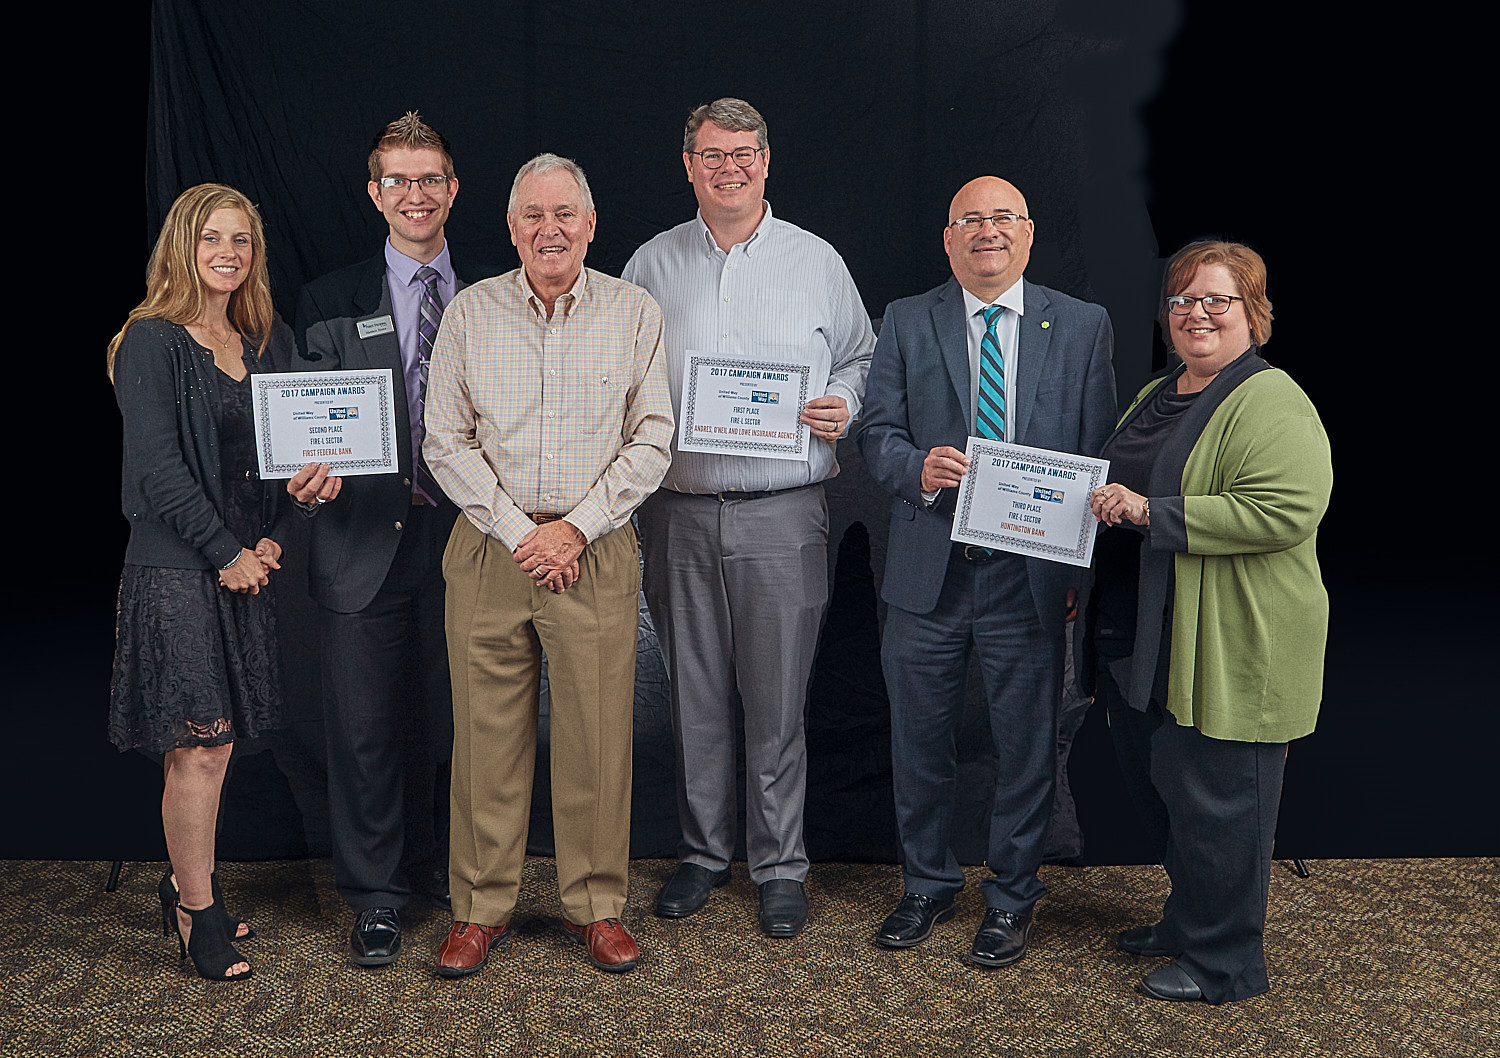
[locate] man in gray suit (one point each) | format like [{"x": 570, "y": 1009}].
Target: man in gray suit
[{"x": 992, "y": 355}]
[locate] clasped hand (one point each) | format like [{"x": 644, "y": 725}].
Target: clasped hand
[
  {"x": 252, "y": 570},
  {"x": 549, "y": 555}
]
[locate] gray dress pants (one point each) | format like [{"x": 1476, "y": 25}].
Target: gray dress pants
[{"x": 737, "y": 591}]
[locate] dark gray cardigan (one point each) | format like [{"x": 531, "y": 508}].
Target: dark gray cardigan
[{"x": 168, "y": 390}]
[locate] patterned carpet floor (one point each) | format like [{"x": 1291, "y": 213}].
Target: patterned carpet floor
[{"x": 1368, "y": 958}]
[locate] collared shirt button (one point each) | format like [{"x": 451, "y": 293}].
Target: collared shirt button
[
  {"x": 549, "y": 455},
  {"x": 726, "y": 297},
  {"x": 552, "y": 330},
  {"x": 553, "y": 372}
]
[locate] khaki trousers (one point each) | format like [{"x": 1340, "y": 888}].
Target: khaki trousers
[{"x": 498, "y": 624}]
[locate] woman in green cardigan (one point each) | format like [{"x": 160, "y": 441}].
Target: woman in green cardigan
[{"x": 1210, "y": 616}]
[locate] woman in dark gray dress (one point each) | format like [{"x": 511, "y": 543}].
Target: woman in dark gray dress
[{"x": 195, "y": 657}]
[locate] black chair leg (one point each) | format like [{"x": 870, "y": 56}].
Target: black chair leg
[{"x": 114, "y": 876}]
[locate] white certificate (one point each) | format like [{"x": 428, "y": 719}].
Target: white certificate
[
  {"x": 346, "y": 419},
  {"x": 1029, "y": 501},
  {"x": 743, "y": 407}
]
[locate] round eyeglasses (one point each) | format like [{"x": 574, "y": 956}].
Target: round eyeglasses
[
  {"x": 1213, "y": 304},
  {"x": 713, "y": 158}
]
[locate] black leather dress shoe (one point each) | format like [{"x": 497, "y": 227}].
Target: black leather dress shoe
[
  {"x": 783, "y": 907},
  {"x": 1142, "y": 941},
  {"x": 432, "y": 882},
  {"x": 376, "y": 940},
  {"x": 688, "y": 890},
  {"x": 1002, "y": 938},
  {"x": 912, "y": 921},
  {"x": 1171, "y": 982}
]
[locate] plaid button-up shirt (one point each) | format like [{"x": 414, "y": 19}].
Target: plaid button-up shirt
[{"x": 529, "y": 415}]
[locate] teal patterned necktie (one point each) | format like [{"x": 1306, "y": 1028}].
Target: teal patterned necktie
[{"x": 989, "y": 415}]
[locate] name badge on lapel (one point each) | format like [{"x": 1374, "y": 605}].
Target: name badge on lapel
[{"x": 378, "y": 325}]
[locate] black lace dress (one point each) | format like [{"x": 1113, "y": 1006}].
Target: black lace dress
[{"x": 197, "y": 664}]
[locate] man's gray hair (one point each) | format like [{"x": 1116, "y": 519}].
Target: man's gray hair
[
  {"x": 546, "y": 163},
  {"x": 730, "y": 114}
]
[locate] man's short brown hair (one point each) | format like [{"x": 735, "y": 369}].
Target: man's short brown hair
[{"x": 409, "y": 132}]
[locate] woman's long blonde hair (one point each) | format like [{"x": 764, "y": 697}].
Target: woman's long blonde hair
[{"x": 174, "y": 292}]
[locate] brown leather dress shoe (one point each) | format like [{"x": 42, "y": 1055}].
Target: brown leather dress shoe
[
  {"x": 466, "y": 947},
  {"x": 609, "y": 944}
]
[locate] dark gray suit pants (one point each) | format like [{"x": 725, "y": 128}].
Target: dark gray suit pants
[
  {"x": 388, "y": 714},
  {"x": 987, "y": 609}
]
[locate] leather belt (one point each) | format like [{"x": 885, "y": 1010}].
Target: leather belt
[
  {"x": 974, "y": 553},
  {"x": 725, "y": 497},
  {"x": 543, "y": 519},
  {"x": 736, "y": 494}
]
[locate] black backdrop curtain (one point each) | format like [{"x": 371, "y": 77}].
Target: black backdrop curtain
[{"x": 1131, "y": 128}]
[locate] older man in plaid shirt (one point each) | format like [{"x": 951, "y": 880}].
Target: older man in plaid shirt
[{"x": 548, "y": 422}]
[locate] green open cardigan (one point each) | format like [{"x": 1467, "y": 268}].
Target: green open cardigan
[{"x": 1250, "y": 613}]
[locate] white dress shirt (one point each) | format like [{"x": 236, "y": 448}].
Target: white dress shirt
[{"x": 783, "y": 294}]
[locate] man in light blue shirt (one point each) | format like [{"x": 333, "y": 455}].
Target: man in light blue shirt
[{"x": 735, "y": 546}]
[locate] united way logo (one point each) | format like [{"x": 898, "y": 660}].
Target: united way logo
[
  {"x": 343, "y": 413},
  {"x": 764, "y": 396},
  {"x": 1050, "y": 495}
]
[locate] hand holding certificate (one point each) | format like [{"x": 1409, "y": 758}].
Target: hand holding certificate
[
  {"x": 1029, "y": 500},
  {"x": 346, "y": 419}
]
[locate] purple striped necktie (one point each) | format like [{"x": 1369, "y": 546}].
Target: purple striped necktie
[{"x": 427, "y": 328}]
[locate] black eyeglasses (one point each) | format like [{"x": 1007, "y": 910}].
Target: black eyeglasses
[
  {"x": 1213, "y": 304},
  {"x": 713, "y": 158},
  {"x": 430, "y": 182}
]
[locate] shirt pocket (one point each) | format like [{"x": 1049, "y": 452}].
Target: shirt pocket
[
  {"x": 784, "y": 317},
  {"x": 602, "y": 403}
]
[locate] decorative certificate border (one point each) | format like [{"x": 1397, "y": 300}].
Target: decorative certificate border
[
  {"x": 1090, "y": 473},
  {"x": 380, "y": 380},
  {"x": 795, "y": 449}
]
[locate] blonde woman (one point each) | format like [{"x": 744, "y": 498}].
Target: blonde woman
[{"x": 195, "y": 657}]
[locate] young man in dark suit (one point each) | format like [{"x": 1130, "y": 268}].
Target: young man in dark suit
[
  {"x": 375, "y": 565},
  {"x": 992, "y": 355}
]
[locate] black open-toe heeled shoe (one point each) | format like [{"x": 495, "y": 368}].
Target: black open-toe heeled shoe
[
  {"x": 166, "y": 892},
  {"x": 209, "y": 945}
]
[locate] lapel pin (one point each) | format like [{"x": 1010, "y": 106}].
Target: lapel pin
[{"x": 1045, "y": 325}]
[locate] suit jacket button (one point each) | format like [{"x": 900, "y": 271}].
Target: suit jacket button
[
  {"x": 406, "y": 482},
  {"x": 398, "y": 525}
]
